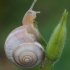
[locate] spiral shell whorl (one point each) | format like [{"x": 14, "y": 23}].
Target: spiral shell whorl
[
  {"x": 26, "y": 58},
  {"x": 28, "y": 55}
]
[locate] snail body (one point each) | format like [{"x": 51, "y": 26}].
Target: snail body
[{"x": 22, "y": 46}]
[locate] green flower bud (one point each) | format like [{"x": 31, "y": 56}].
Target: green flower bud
[{"x": 57, "y": 40}]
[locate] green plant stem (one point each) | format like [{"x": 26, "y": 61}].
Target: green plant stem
[{"x": 48, "y": 65}]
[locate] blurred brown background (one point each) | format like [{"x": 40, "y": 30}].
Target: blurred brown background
[{"x": 11, "y": 14}]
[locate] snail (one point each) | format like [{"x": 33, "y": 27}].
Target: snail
[{"x": 22, "y": 45}]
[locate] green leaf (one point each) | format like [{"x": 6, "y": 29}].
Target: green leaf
[
  {"x": 57, "y": 40},
  {"x": 41, "y": 39}
]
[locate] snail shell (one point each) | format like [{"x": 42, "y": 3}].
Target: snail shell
[{"x": 22, "y": 49}]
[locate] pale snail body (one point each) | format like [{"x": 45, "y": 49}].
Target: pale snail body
[{"x": 22, "y": 46}]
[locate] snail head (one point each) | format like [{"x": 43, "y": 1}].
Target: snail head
[{"x": 30, "y": 14}]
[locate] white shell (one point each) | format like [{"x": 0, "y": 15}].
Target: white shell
[{"x": 20, "y": 47}]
